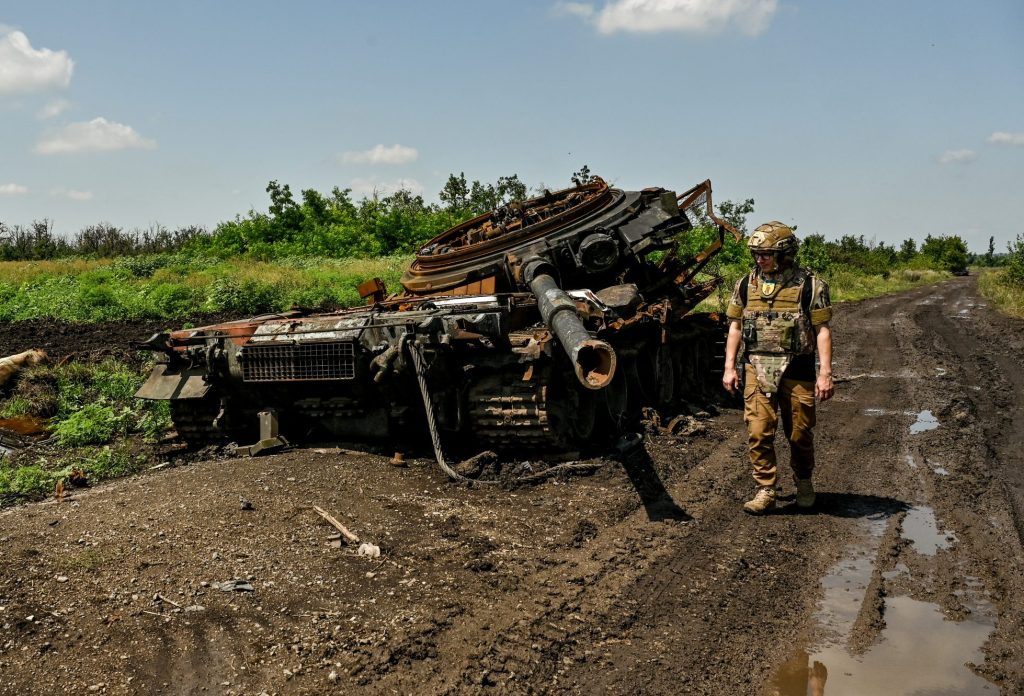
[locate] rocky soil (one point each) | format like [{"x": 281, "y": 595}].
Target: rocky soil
[{"x": 644, "y": 577}]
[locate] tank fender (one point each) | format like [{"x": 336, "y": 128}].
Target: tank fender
[{"x": 167, "y": 382}]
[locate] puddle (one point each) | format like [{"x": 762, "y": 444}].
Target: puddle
[
  {"x": 918, "y": 652},
  {"x": 921, "y": 528},
  {"x": 925, "y": 421}
]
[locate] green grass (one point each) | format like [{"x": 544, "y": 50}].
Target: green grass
[
  {"x": 166, "y": 286},
  {"x": 1006, "y": 295},
  {"x": 97, "y": 423}
]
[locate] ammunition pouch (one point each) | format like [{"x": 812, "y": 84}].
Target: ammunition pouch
[{"x": 778, "y": 332}]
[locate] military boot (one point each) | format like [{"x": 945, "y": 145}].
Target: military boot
[
  {"x": 804, "y": 494},
  {"x": 762, "y": 502}
]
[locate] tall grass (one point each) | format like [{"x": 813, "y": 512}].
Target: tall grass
[
  {"x": 166, "y": 286},
  {"x": 996, "y": 287}
]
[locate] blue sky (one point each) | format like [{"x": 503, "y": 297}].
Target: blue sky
[{"x": 887, "y": 119}]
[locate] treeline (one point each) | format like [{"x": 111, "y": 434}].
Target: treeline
[
  {"x": 335, "y": 225},
  {"x": 851, "y": 253},
  {"x": 38, "y": 242},
  {"x": 315, "y": 224}
]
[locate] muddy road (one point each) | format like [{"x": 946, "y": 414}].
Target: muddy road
[{"x": 645, "y": 577}]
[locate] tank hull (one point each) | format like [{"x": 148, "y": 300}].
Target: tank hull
[{"x": 580, "y": 326}]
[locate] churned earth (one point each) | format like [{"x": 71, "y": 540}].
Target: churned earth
[{"x": 643, "y": 577}]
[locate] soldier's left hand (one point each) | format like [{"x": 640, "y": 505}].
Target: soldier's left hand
[{"x": 823, "y": 387}]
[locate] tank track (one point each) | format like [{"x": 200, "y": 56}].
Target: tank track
[
  {"x": 194, "y": 419},
  {"x": 508, "y": 413}
]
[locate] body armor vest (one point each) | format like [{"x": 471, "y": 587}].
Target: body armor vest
[{"x": 776, "y": 325}]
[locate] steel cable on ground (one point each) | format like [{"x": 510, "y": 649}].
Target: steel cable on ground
[
  {"x": 435, "y": 436},
  {"x": 428, "y": 405}
]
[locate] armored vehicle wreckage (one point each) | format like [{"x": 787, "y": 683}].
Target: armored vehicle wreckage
[{"x": 546, "y": 325}]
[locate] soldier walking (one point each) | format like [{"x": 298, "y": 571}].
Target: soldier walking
[{"x": 779, "y": 312}]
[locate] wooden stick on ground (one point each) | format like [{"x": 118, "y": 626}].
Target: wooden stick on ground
[
  {"x": 169, "y": 601},
  {"x": 336, "y": 524}
]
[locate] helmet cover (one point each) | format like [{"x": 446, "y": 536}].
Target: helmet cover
[{"x": 774, "y": 236}]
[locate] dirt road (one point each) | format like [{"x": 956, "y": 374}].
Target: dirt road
[{"x": 642, "y": 578}]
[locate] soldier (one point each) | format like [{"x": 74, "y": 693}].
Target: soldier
[{"x": 780, "y": 313}]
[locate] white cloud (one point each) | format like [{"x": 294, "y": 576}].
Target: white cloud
[
  {"x": 373, "y": 186},
  {"x": 72, "y": 194},
  {"x": 579, "y": 9},
  {"x": 13, "y": 190},
  {"x": 26, "y": 69},
  {"x": 55, "y": 108},
  {"x": 957, "y": 157},
  {"x": 93, "y": 136},
  {"x": 379, "y": 154},
  {"x": 1001, "y": 138},
  {"x": 751, "y": 17}
]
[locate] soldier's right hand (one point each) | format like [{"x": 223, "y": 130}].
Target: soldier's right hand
[{"x": 731, "y": 380}]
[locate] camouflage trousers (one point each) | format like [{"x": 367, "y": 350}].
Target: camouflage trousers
[{"x": 794, "y": 403}]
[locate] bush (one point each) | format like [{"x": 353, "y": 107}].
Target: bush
[
  {"x": 91, "y": 425},
  {"x": 1015, "y": 261}
]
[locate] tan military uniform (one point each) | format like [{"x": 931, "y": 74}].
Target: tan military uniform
[{"x": 778, "y": 315}]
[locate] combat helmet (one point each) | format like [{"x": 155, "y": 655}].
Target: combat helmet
[{"x": 774, "y": 236}]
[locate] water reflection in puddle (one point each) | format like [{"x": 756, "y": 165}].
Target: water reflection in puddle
[
  {"x": 919, "y": 652},
  {"x": 922, "y": 529},
  {"x": 925, "y": 421}
]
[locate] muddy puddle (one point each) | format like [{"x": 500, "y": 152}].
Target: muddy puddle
[
  {"x": 919, "y": 650},
  {"x": 923, "y": 420},
  {"x": 922, "y": 530}
]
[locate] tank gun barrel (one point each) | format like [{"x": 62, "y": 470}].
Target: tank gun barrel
[{"x": 593, "y": 359}]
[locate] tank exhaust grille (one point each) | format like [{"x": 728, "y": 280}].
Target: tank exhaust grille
[{"x": 301, "y": 362}]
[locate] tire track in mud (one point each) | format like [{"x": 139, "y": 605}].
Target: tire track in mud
[{"x": 996, "y": 381}]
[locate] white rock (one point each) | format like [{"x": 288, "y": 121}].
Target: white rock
[{"x": 370, "y": 550}]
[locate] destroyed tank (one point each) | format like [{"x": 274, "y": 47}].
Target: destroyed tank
[{"x": 545, "y": 326}]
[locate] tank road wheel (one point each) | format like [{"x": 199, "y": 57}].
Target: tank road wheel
[
  {"x": 616, "y": 402},
  {"x": 653, "y": 378},
  {"x": 573, "y": 411},
  {"x": 199, "y": 421}
]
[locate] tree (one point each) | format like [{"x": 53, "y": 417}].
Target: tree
[
  {"x": 908, "y": 250},
  {"x": 736, "y": 213},
  {"x": 455, "y": 194},
  {"x": 814, "y": 254}
]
